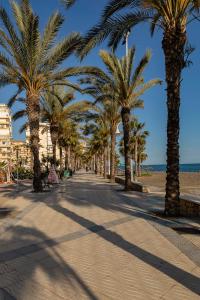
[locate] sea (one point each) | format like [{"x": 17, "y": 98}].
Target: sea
[{"x": 162, "y": 168}]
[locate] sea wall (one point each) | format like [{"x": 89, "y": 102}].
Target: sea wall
[{"x": 135, "y": 186}]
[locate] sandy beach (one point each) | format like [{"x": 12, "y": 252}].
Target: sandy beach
[{"x": 189, "y": 182}]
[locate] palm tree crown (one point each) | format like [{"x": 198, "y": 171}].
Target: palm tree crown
[{"x": 116, "y": 20}]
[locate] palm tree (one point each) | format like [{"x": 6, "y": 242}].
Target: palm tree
[
  {"x": 171, "y": 16},
  {"x": 30, "y": 60},
  {"x": 142, "y": 155},
  {"x": 112, "y": 110},
  {"x": 52, "y": 112},
  {"x": 98, "y": 145},
  {"x": 127, "y": 85},
  {"x": 138, "y": 139},
  {"x": 69, "y": 137},
  {"x": 137, "y": 144},
  {"x": 108, "y": 113},
  {"x": 98, "y": 125},
  {"x": 58, "y": 106}
]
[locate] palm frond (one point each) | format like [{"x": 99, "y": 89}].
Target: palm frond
[
  {"x": 19, "y": 114},
  {"x": 121, "y": 23},
  {"x": 147, "y": 86},
  {"x": 68, "y": 3},
  {"x": 14, "y": 41},
  {"x": 136, "y": 78},
  {"x": 14, "y": 98},
  {"x": 50, "y": 32},
  {"x": 6, "y": 79},
  {"x": 116, "y": 5},
  {"x": 61, "y": 51},
  {"x": 23, "y": 127}
]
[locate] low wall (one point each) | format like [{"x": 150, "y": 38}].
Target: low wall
[
  {"x": 190, "y": 208},
  {"x": 135, "y": 186}
]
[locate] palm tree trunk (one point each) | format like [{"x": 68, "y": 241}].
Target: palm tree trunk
[
  {"x": 69, "y": 158},
  {"x": 139, "y": 167},
  {"x": 54, "y": 138},
  {"x": 66, "y": 158},
  {"x": 96, "y": 164},
  {"x": 33, "y": 110},
  {"x": 105, "y": 163},
  {"x": 173, "y": 45},
  {"x": 136, "y": 159},
  {"x": 125, "y": 114},
  {"x": 112, "y": 153},
  {"x": 101, "y": 163},
  {"x": 61, "y": 160}
]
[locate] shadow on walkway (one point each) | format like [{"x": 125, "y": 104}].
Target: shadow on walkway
[
  {"x": 21, "y": 271},
  {"x": 186, "y": 279}
]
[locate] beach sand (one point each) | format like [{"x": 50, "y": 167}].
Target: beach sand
[{"x": 189, "y": 182}]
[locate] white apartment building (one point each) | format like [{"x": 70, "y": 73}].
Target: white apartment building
[{"x": 5, "y": 133}]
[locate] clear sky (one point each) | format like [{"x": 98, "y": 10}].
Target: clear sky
[{"x": 85, "y": 14}]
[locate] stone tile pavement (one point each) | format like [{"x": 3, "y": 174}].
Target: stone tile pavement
[{"x": 88, "y": 239}]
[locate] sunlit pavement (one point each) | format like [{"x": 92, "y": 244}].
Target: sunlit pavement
[{"x": 87, "y": 239}]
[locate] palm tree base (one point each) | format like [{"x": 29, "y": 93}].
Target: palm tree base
[
  {"x": 127, "y": 189},
  {"x": 172, "y": 208},
  {"x": 37, "y": 186}
]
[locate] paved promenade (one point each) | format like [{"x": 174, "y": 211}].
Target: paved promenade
[{"x": 87, "y": 239}]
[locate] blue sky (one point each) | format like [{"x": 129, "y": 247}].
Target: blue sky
[{"x": 85, "y": 14}]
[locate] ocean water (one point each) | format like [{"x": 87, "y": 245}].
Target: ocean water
[{"x": 162, "y": 168}]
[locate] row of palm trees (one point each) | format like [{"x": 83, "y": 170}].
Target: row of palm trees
[
  {"x": 172, "y": 17},
  {"x": 33, "y": 62},
  {"x": 119, "y": 90}
]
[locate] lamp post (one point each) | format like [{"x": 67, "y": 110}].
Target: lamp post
[{"x": 125, "y": 41}]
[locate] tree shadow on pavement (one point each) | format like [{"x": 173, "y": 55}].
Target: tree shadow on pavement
[
  {"x": 188, "y": 280},
  {"x": 36, "y": 251}
]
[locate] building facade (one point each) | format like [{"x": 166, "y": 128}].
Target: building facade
[
  {"x": 21, "y": 153},
  {"x": 5, "y": 133}
]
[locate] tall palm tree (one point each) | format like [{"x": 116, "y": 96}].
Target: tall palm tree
[
  {"x": 127, "y": 86},
  {"x": 69, "y": 137},
  {"x": 108, "y": 112},
  {"x": 31, "y": 61},
  {"x": 98, "y": 145},
  {"x": 138, "y": 137},
  {"x": 52, "y": 111},
  {"x": 98, "y": 126},
  {"x": 58, "y": 106},
  {"x": 172, "y": 17},
  {"x": 137, "y": 144},
  {"x": 142, "y": 155}
]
